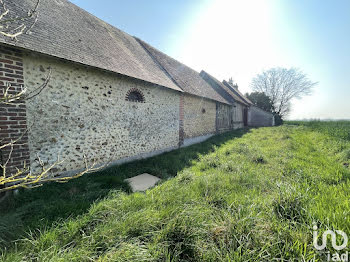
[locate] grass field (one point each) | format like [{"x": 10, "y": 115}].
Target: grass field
[
  {"x": 248, "y": 195},
  {"x": 335, "y": 129}
]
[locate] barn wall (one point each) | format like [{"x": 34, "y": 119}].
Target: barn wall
[
  {"x": 258, "y": 117},
  {"x": 229, "y": 117},
  {"x": 224, "y": 117},
  {"x": 199, "y": 116},
  {"x": 237, "y": 116},
  {"x": 84, "y": 111}
]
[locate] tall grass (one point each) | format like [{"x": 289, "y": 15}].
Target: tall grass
[
  {"x": 37, "y": 209},
  {"x": 249, "y": 198},
  {"x": 336, "y": 129}
]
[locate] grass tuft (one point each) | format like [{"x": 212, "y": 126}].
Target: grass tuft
[
  {"x": 247, "y": 195},
  {"x": 291, "y": 207}
]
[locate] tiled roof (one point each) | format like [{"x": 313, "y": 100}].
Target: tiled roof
[
  {"x": 66, "y": 31},
  {"x": 185, "y": 77},
  {"x": 223, "y": 90},
  {"x": 237, "y": 92}
]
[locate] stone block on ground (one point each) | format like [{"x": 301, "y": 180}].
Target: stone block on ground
[{"x": 142, "y": 182}]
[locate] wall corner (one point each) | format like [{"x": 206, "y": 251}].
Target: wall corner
[{"x": 13, "y": 117}]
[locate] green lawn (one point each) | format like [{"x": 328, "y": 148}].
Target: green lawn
[{"x": 248, "y": 195}]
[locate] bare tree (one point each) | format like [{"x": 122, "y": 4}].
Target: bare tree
[
  {"x": 12, "y": 26},
  {"x": 24, "y": 178},
  {"x": 9, "y": 97},
  {"x": 282, "y": 86}
]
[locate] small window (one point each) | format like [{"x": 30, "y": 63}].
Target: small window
[{"x": 135, "y": 95}]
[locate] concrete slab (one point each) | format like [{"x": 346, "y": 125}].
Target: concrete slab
[{"x": 142, "y": 182}]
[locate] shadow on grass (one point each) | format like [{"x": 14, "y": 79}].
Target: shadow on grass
[{"x": 39, "y": 208}]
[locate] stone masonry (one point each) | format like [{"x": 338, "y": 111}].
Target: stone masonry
[
  {"x": 181, "y": 121},
  {"x": 199, "y": 116},
  {"x": 85, "y": 111},
  {"x": 88, "y": 113}
]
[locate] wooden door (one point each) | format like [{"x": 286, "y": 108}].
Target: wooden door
[{"x": 245, "y": 116}]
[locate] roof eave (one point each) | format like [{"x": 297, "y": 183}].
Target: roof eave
[{"x": 83, "y": 64}]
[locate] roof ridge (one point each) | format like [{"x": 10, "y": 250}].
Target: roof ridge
[
  {"x": 67, "y": 31},
  {"x": 232, "y": 95},
  {"x": 155, "y": 60},
  {"x": 237, "y": 92},
  {"x": 188, "y": 79},
  {"x": 206, "y": 76},
  {"x": 178, "y": 61}
]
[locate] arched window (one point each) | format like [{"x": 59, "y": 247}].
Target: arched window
[{"x": 134, "y": 95}]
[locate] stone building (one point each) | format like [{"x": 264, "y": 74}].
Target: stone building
[
  {"x": 254, "y": 116},
  {"x": 199, "y": 100},
  {"x": 232, "y": 117},
  {"x": 110, "y": 96}
]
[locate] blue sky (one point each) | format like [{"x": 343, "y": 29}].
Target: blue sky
[{"x": 240, "y": 38}]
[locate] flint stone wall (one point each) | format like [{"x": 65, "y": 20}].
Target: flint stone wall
[{"x": 84, "y": 111}]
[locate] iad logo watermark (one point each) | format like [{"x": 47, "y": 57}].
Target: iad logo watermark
[{"x": 337, "y": 256}]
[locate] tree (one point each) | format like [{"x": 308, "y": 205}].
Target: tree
[
  {"x": 261, "y": 100},
  {"x": 11, "y": 26},
  {"x": 283, "y": 85}
]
